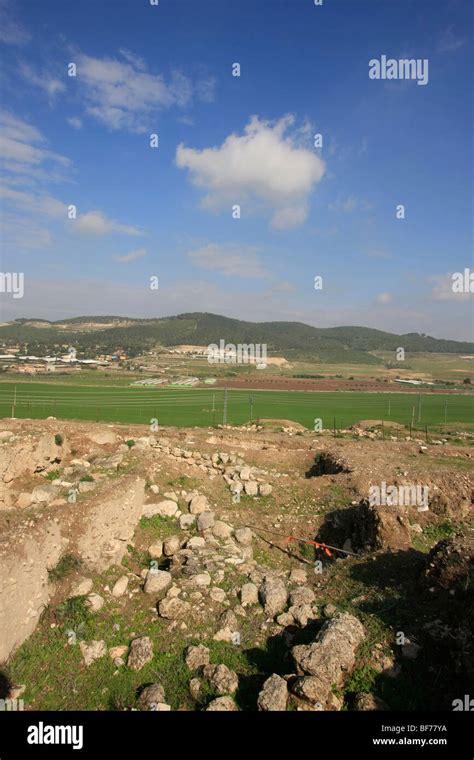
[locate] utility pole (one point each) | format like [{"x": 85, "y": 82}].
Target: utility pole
[
  {"x": 389, "y": 402},
  {"x": 213, "y": 402},
  {"x": 419, "y": 408},
  {"x": 251, "y": 407},
  {"x": 224, "y": 416},
  {"x": 445, "y": 412},
  {"x": 14, "y": 404}
]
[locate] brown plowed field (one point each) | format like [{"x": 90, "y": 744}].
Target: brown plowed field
[{"x": 300, "y": 384}]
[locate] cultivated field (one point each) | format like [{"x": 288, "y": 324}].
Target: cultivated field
[{"x": 203, "y": 407}]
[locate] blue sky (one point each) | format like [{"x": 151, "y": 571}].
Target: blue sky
[{"x": 247, "y": 140}]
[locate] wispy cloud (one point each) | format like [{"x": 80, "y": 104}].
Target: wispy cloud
[
  {"x": 24, "y": 150},
  {"x": 45, "y": 80},
  {"x": 74, "y": 122},
  {"x": 138, "y": 253},
  {"x": 97, "y": 223},
  {"x": 450, "y": 41},
  {"x": 229, "y": 259},
  {"x": 350, "y": 204},
  {"x": 442, "y": 289},
  {"x": 12, "y": 32},
  {"x": 383, "y": 298},
  {"x": 124, "y": 95}
]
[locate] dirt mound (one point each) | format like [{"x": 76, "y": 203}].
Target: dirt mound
[
  {"x": 366, "y": 424},
  {"x": 451, "y": 563}
]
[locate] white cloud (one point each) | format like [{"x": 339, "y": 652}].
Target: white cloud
[
  {"x": 288, "y": 217},
  {"x": 449, "y": 41},
  {"x": 11, "y": 31},
  {"x": 350, "y": 204},
  {"x": 96, "y": 223},
  {"x": 38, "y": 203},
  {"x": 230, "y": 260},
  {"x": 24, "y": 152},
  {"x": 138, "y": 253},
  {"x": 263, "y": 165},
  {"x": 205, "y": 89},
  {"x": 443, "y": 288},
  {"x": 74, "y": 122},
  {"x": 383, "y": 298},
  {"x": 51, "y": 85},
  {"x": 20, "y": 233},
  {"x": 124, "y": 95}
]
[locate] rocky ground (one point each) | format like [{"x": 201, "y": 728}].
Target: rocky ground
[{"x": 189, "y": 569}]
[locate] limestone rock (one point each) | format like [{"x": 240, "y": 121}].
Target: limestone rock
[
  {"x": 249, "y": 594},
  {"x": 92, "y": 650},
  {"x": 151, "y": 696},
  {"x": 244, "y": 536},
  {"x": 120, "y": 586},
  {"x": 155, "y": 550},
  {"x": 329, "y": 658},
  {"x": 157, "y": 581},
  {"x": 222, "y": 704},
  {"x": 171, "y": 545},
  {"x": 221, "y": 678},
  {"x": 166, "y": 508},
  {"x": 274, "y": 596},
  {"x": 198, "y": 504},
  {"x": 95, "y": 602},
  {"x": 174, "y": 608},
  {"x": 141, "y": 653},
  {"x": 274, "y": 694},
  {"x": 197, "y": 657},
  {"x": 205, "y": 520}
]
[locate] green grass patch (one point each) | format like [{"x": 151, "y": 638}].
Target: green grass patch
[{"x": 68, "y": 564}]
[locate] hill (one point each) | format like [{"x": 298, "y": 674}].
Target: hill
[{"x": 293, "y": 340}]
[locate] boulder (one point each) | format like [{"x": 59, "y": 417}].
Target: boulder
[
  {"x": 274, "y": 596},
  {"x": 222, "y": 704},
  {"x": 141, "y": 653},
  {"x": 45, "y": 493},
  {"x": 251, "y": 488},
  {"x": 197, "y": 657},
  {"x": 151, "y": 696},
  {"x": 221, "y": 679},
  {"x": 274, "y": 694},
  {"x": 328, "y": 659},
  {"x": 155, "y": 550},
  {"x": 244, "y": 536},
  {"x": 205, "y": 520},
  {"x": 157, "y": 581},
  {"x": 248, "y": 594},
  {"x": 221, "y": 530},
  {"x": 95, "y": 602},
  {"x": 92, "y": 650},
  {"x": 198, "y": 504},
  {"x": 166, "y": 508},
  {"x": 120, "y": 586},
  {"x": 369, "y": 702},
  {"x": 171, "y": 545},
  {"x": 174, "y": 608}
]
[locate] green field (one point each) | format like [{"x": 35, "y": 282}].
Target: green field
[{"x": 205, "y": 407}]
